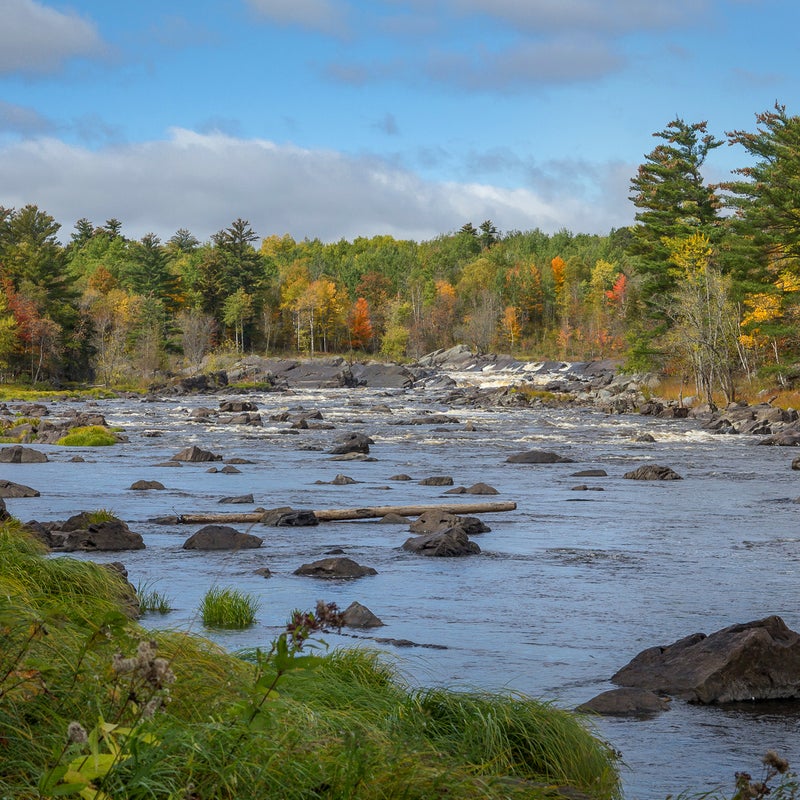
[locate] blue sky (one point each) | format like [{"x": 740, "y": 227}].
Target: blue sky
[{"x": 344, "y": 118}]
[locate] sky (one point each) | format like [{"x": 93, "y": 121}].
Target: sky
[{"x": 335, "y": 119}]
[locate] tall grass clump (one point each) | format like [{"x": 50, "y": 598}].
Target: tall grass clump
[
  {"x": 228, "y": 608},
  {"x": 152, "y": 600},
  {"x": 88, "y": 436}
]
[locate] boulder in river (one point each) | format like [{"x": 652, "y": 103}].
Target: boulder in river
[
  {"x": 538, "y": 457},
  {"x": 11, "y": 489},
  {"x": 359, "y": 616},
  {"x": 113, "y": 534},
  {"x": 221, "y": 537},
  {"x": 628, "y": 702},
  {"x": 757, "y": 660},
  {"x": 437, "y": 480},
  {"x": 139, "y": 486},
  {"x": 449, "y": 543},
  {"x": 352, "y": 443},
  {"x": 653, "y": 472},
  {"x": 195, "y": 455},
  {"x": 335, "y": 567},
  {"x": 21, "y": 455}
]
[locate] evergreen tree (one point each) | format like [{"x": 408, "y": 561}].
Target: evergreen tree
[
  {"x": 673, "y": 200},
  {"x": 767, "y": 199}
]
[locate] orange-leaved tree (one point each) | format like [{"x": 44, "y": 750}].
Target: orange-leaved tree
[{"x": 360, "y": 325}]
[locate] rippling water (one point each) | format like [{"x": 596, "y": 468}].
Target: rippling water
[{"x": 569, "y": 587}]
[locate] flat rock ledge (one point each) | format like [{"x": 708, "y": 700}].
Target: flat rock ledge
[{"x": 757, "y": 660}]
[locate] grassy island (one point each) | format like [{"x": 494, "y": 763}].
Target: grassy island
[{"x": 93, "y": 706}]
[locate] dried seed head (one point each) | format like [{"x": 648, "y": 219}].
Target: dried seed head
[
  {"x": 772, "y": 759},
  {"x": 76, "y": 733}
]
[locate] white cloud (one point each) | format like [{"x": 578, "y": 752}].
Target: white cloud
[
  {"x": 203, "y": 181},
  {"x": 557, "y": 61},
  {"x": 37, "y": 39},
  {"x": 609, "y": 16},
  {"x": 327, "y": 16}
]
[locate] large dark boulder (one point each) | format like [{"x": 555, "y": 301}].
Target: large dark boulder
[
  {"x": 221, "y": 537},
  {"x": 335, "y": 567},
  {"x": 21, "y": 455},
  {"x": 757, "y": 660},
  {"x": 652, "y": 472},
  {"x": 538, "y": 457},
  {"x": 449, "y": 543}
]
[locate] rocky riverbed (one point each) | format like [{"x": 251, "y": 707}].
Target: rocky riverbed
[{"x": 587, "y": 570}]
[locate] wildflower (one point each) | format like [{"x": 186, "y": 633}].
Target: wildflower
[
  {"x": 76, "y": 733},
  {"x": 772, "y": 759}
]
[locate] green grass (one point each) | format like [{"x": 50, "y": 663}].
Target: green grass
[
  {"x": 337, "y": 726},
  {"x": 88, "y": 436},
  {"x": 151, "y": 600},
  {"x": 228, "y": 608}
]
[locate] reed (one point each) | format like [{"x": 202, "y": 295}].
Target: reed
[{"x": 228, "y": 608}]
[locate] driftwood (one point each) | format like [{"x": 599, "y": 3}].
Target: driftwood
[{"x": 331, "y": 514}]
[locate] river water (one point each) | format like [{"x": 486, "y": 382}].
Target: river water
[{"x": 569, "y": 586}]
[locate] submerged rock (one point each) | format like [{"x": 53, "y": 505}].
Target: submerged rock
[
  {"x": 653, "y": 472},
  {"x": 538, "y": 457}
]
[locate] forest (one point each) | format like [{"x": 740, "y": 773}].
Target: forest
[{"x": 704, "y": 285}]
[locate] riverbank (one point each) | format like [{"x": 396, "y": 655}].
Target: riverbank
[{"x": 91, "y": 703}]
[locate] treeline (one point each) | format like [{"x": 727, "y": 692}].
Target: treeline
[{"x": 705, "y": 283}]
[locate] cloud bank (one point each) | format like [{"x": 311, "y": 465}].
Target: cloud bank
[{"x": 204, "y": 181}]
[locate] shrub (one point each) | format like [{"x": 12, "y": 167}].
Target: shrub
[
  {"x": 89, "y": 436},
  {"x": 228, "y": 608}
]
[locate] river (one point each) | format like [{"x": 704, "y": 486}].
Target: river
[{"x": 569, "y": 586}]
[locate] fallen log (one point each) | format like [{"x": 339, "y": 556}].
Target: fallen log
[
  {"x": 340, "y": 514},
  {"x": 412, "y": 511}
]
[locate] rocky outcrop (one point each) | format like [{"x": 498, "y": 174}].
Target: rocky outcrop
[
  {"x": 652, "y": 472},
  {"x": 757, "y": 660},
  {"x": 336, "y": 567},
  {"x": 78, "y": 533},
  {"x": 221, "y": 537}
]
